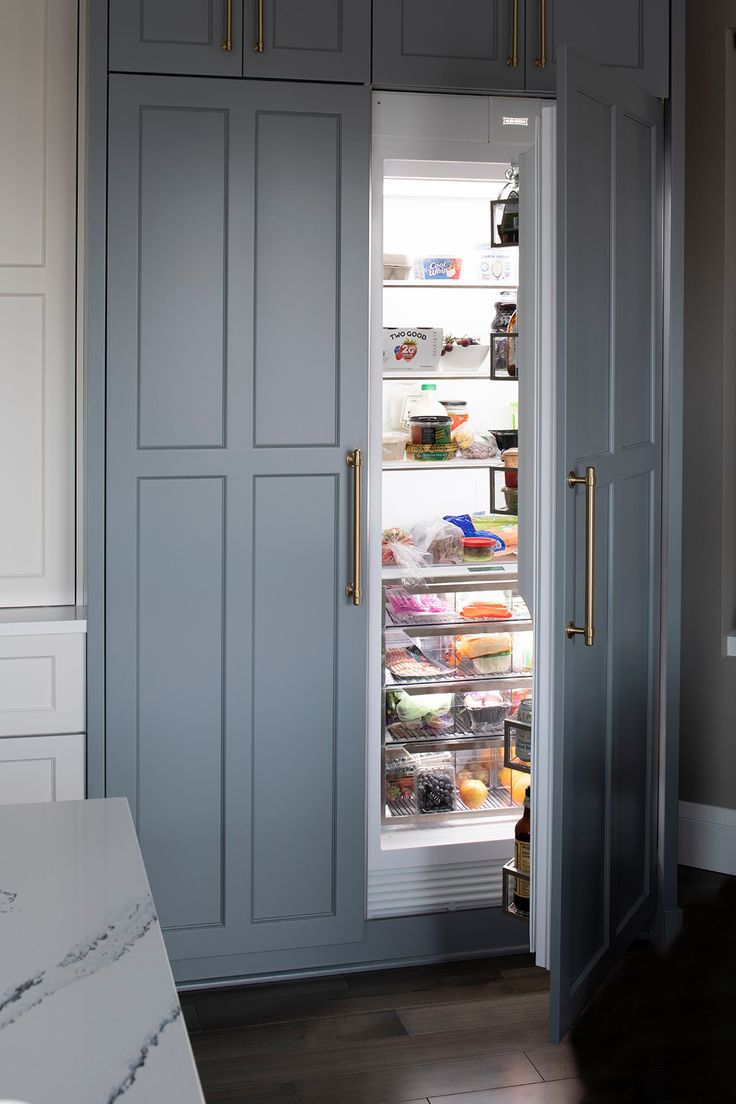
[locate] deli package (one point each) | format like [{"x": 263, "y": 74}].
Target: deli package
[{"x": 407, "y": 348}]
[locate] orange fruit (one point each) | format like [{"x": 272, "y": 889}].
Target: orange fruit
[{"x": 473, "y": 792}]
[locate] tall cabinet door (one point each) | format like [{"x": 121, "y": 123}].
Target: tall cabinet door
[
  {"x": 327, "y": 40},
  {"x": 609, "y": 162},
  {"x": 198, "y": 37},
  {"x": 449, "y": 44},
  {"x": 236, "y": 384}
]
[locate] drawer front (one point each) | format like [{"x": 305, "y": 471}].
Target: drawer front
[
  {"x": 42, "y": 684},
  {"x": 41, "y": 768}
]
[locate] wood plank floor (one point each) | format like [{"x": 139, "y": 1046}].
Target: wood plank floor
[{"x": 460, "y": 1033}]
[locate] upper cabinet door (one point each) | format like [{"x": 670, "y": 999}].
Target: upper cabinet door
[
  {"x": 200, "y": 37},
  {"x": 631, "y": 38},
  {"x": 449, "y": 44},
  {"x": 609, "y": 391},
  {"x": 323, "y": 40}
]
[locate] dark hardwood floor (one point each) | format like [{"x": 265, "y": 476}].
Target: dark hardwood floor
[{"x": 460, "y": 1033}]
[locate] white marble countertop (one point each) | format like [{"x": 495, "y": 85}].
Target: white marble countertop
[{"x": 88, "y": 1009}]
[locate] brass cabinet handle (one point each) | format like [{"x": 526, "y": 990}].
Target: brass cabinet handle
[
  {"x": 513, "y": 58},
  {"x": 353, "y": 590},
  {"x": 258, "y": 45},
  {"x": 541, "y": 61},
  {"x": 228, "y": 43},
  {"x": 588, "y": 480}
]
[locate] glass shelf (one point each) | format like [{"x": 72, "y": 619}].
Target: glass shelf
[
  {"x": 486, "y": 285},
  {"x": 442, "y": 465}
]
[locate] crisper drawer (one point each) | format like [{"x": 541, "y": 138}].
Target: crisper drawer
[
  {"x": 42, "y": 684},
  {"x": 41, "y": 768}
]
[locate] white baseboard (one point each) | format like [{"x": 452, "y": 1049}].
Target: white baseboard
[{"x": 708, "y": 837}]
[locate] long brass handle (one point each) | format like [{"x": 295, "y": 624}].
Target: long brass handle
[
  {"x": 258, "y": 45},
  {"x": 228, "y": 43},
  {"x": 513, "y": 58},
  {"x": 588, "y": 480},
  {"x": 354, "y": 589},
  {"x": 541, "y": 61}
]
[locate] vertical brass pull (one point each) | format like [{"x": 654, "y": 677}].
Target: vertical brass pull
[
  {"x": 541, "y": 61},
  {"x": 354, "y": 589},
  {"x": 513, "y": 58},
  {"x": 573, "y": 480},
  {"x": 228, "y": 43},
  {"x": 258, "y": 45}
]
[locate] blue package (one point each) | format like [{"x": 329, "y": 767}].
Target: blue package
[{"x": 465, "y": 524}]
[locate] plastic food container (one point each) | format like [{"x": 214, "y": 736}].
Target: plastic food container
[
  {"x": 458, "y": 411},
  {"x": 441, "y": 268},
  {"x": 394, "y": 445},
  {"x": 401, "y": 794},
  {"x": 483, "y": 713},
  {"x": 506, "y": 438},
  {"x": 478, "y": 549},
  {"x": 431, "y": 438},
  {"x": 435, "y": 781},
  {"x": 511, "y": 464},
  {"x": 511, "y": 494}
]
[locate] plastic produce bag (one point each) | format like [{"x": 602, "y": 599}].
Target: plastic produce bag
[
  {"x": 398, "y": 548},
  {"x": 440, "y": 539}
]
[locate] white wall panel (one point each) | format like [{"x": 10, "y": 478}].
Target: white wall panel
[{"x": 38, "y": 140}]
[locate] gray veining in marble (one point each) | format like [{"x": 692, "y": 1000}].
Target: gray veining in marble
[{"x": 88, "y": 1009}]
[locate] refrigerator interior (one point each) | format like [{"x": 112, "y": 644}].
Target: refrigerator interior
[{"x": 448, "y": 679}]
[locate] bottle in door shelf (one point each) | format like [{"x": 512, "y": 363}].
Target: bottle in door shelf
[{"x": 522, "y": 857}]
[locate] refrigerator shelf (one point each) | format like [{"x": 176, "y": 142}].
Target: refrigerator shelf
[
  {"x": 486, "y": 285},
  {"x": 496, "y": 575},
  {"x": 444, "y": 684},
  {"x": 403, "y": 809},
  {"x": 442, "y": 465},
  {"x": 453, "y": 741},
  {"x": 440, "y": 628}
]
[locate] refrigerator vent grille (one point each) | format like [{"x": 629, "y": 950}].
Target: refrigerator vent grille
[{"x": 409, "y": 891}]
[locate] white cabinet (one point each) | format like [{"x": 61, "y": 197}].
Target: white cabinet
[
  {"x": 41, "y": 768},
  {"x": 38, "y": 137},
  {"x": 42, "y": 684}
]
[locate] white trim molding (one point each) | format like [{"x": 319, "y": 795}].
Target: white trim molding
[{"x": 708, "y": 837}]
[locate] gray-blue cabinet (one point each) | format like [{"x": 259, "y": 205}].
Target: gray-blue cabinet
[
  {"x": 198, "y": 37},
  {"x": 630, "y": 37},
  {"x": 456, "y": 45},
  {"x": 511, "y": 45},
  {"x": 325, "y": 40},
  {"x": 236, "y": 385}
]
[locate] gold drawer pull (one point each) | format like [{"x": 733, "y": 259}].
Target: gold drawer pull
[
  {"x": 228, "y": 43},
  {"x": 513, "y": 59},
  {"x": 354, "y": 589}
]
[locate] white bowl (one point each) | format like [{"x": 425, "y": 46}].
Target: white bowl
[{"x": 464, "y": 358}]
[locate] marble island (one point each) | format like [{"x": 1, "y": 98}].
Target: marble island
[{"x": 88, "y": 1009}]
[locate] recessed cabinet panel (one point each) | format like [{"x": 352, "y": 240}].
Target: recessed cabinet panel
[
  {"x": 41, "y": 768},
  {"x": 176, "y": 36},
  {"x": 179, "y": 689},
  {"x": 630, "y": 37},
  {"x": 320, "y": 40},
  {"x": 453, "y": 44},
  {"x": 297, "y": 277},
  {"x": 591, "y": 299},
  {"x": 182, "y": 272},
  {"x": 632, "y": 709},
  {"x": 636, "y": 263},
  {"x": 295, "y": 688}
]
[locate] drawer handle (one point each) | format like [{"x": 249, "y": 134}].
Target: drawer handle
[
  {"x": 258, "y": 45},
  {"x": 588, "y": 480},
  {"x": 353, "y": 590},
  {"x": 541, "y": 61},
  {"x": 513, "y": 59},
  {"x": 228, "y": 43}
]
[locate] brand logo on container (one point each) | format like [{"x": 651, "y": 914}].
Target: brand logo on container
[
  {"x": 406, "y": 333},
  {"x": 513, "y": 120}
]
